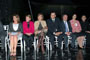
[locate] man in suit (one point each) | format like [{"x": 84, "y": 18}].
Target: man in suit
[
  {"x": 2, "y": 36},
  {"x": 67, "y": 31},
  {"x": 54, "y": 29}
]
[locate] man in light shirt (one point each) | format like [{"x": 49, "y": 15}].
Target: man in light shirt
[{"x": 67, "y": 31}]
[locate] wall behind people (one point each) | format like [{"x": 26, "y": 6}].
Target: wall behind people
[
  {"x": 10, "y": 7},
  {"x": 21, "y": 7}
]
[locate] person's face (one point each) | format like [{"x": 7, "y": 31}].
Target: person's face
[
  {"x": 15, "y": 18},
  {"x": 65, "y": 17},
  {"x": 53, "y": 15},
  {"x": 74, "y": 16},
  {"x": 40, "y": 17},
  {"x": 28, "y": 19},
  {"x": 83, "y": 18}
]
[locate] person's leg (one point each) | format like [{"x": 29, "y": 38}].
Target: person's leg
[
  {"x": 60, "y": 39},
  {"x": 11, "y": 44},
  {"x": 73, "y": 40},
  {"x": 42, "y": 44},
  {"x": 80, "y": 41},
  {"x": 51, "y": 37},
  {"x": 26, "y": 38},
  {"x": 31, "y": 39},
  {"x": 39, "y": 41},
  {"x": 2, "y": 37},
  {"x": 66, "y": 41},
  {"x": 15, "y": 44}
]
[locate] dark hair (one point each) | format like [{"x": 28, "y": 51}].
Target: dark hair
[
  {"x": 64, "y": 14},
  {"x": 83, "y": 15},
  {"x": 28, "y": 15},
  {"x": 53, "y": 12},
  {"x": 17, "y": 16},
  {"x": 40, "y": 14}
]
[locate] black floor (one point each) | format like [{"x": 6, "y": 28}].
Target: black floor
[{"x": 49, "y": 55}]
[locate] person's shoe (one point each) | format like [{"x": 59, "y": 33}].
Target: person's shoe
[{"x": 80, "y": 47}]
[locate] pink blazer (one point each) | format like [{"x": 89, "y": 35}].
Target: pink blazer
[
  {"x": 26, "y": 29},
  {"x": 75, "y": 26}
]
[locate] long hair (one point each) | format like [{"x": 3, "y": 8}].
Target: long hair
[{"x": 18, "y": 18}]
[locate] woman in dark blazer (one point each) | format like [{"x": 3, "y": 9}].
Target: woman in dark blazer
[{"x": 15, "y": 31}]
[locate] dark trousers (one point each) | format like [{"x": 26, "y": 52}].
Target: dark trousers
[
  {"x": 2, "y": 39},
  {"x": 52, "y": 40},
  {"x": 28, "y": 40},
  {"x": 72, "y": 40},
  {"x": 88, "y": 39}
]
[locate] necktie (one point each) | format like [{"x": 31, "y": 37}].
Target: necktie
[
  {"x": 66, "y": 28},
  {"x": 53, "y": 20}
]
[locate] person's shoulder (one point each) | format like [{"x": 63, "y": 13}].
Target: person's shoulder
[
  {"x": 48, "y": 20},
  {"x": 36, "y": 22},
  {"x": 31, "y": 22},
  {"x": 78, "y": 21},
  {"x": 70, "y": 21}
]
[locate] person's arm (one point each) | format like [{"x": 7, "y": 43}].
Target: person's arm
[
  {"x": 60, "y": 31},
  {"x": 21, "y": 28},
  {"x": 73, "y": 27},
  {"x": 32, "y": 28},
  {"x": 35, "y": 27},
  {"x": 24, "y": 29},
  {"x": 9, "y": 30},
  {"x": 79, "y": 26},
  {"x": 45, "y": 27},
  {"x": 50, "y": 30}
]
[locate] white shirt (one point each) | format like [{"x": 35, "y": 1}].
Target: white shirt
[
  {"x": 53, "y": 20},
  {"x": 15, "y": 27},
  {"x": 67, "y": 25}
]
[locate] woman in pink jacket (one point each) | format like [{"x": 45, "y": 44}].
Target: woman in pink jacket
[
  {"x": 76, "y": 29},
  {"x": 28, "y": 31}
]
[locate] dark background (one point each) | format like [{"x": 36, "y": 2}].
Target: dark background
[{"x": 22, "y": 7}]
